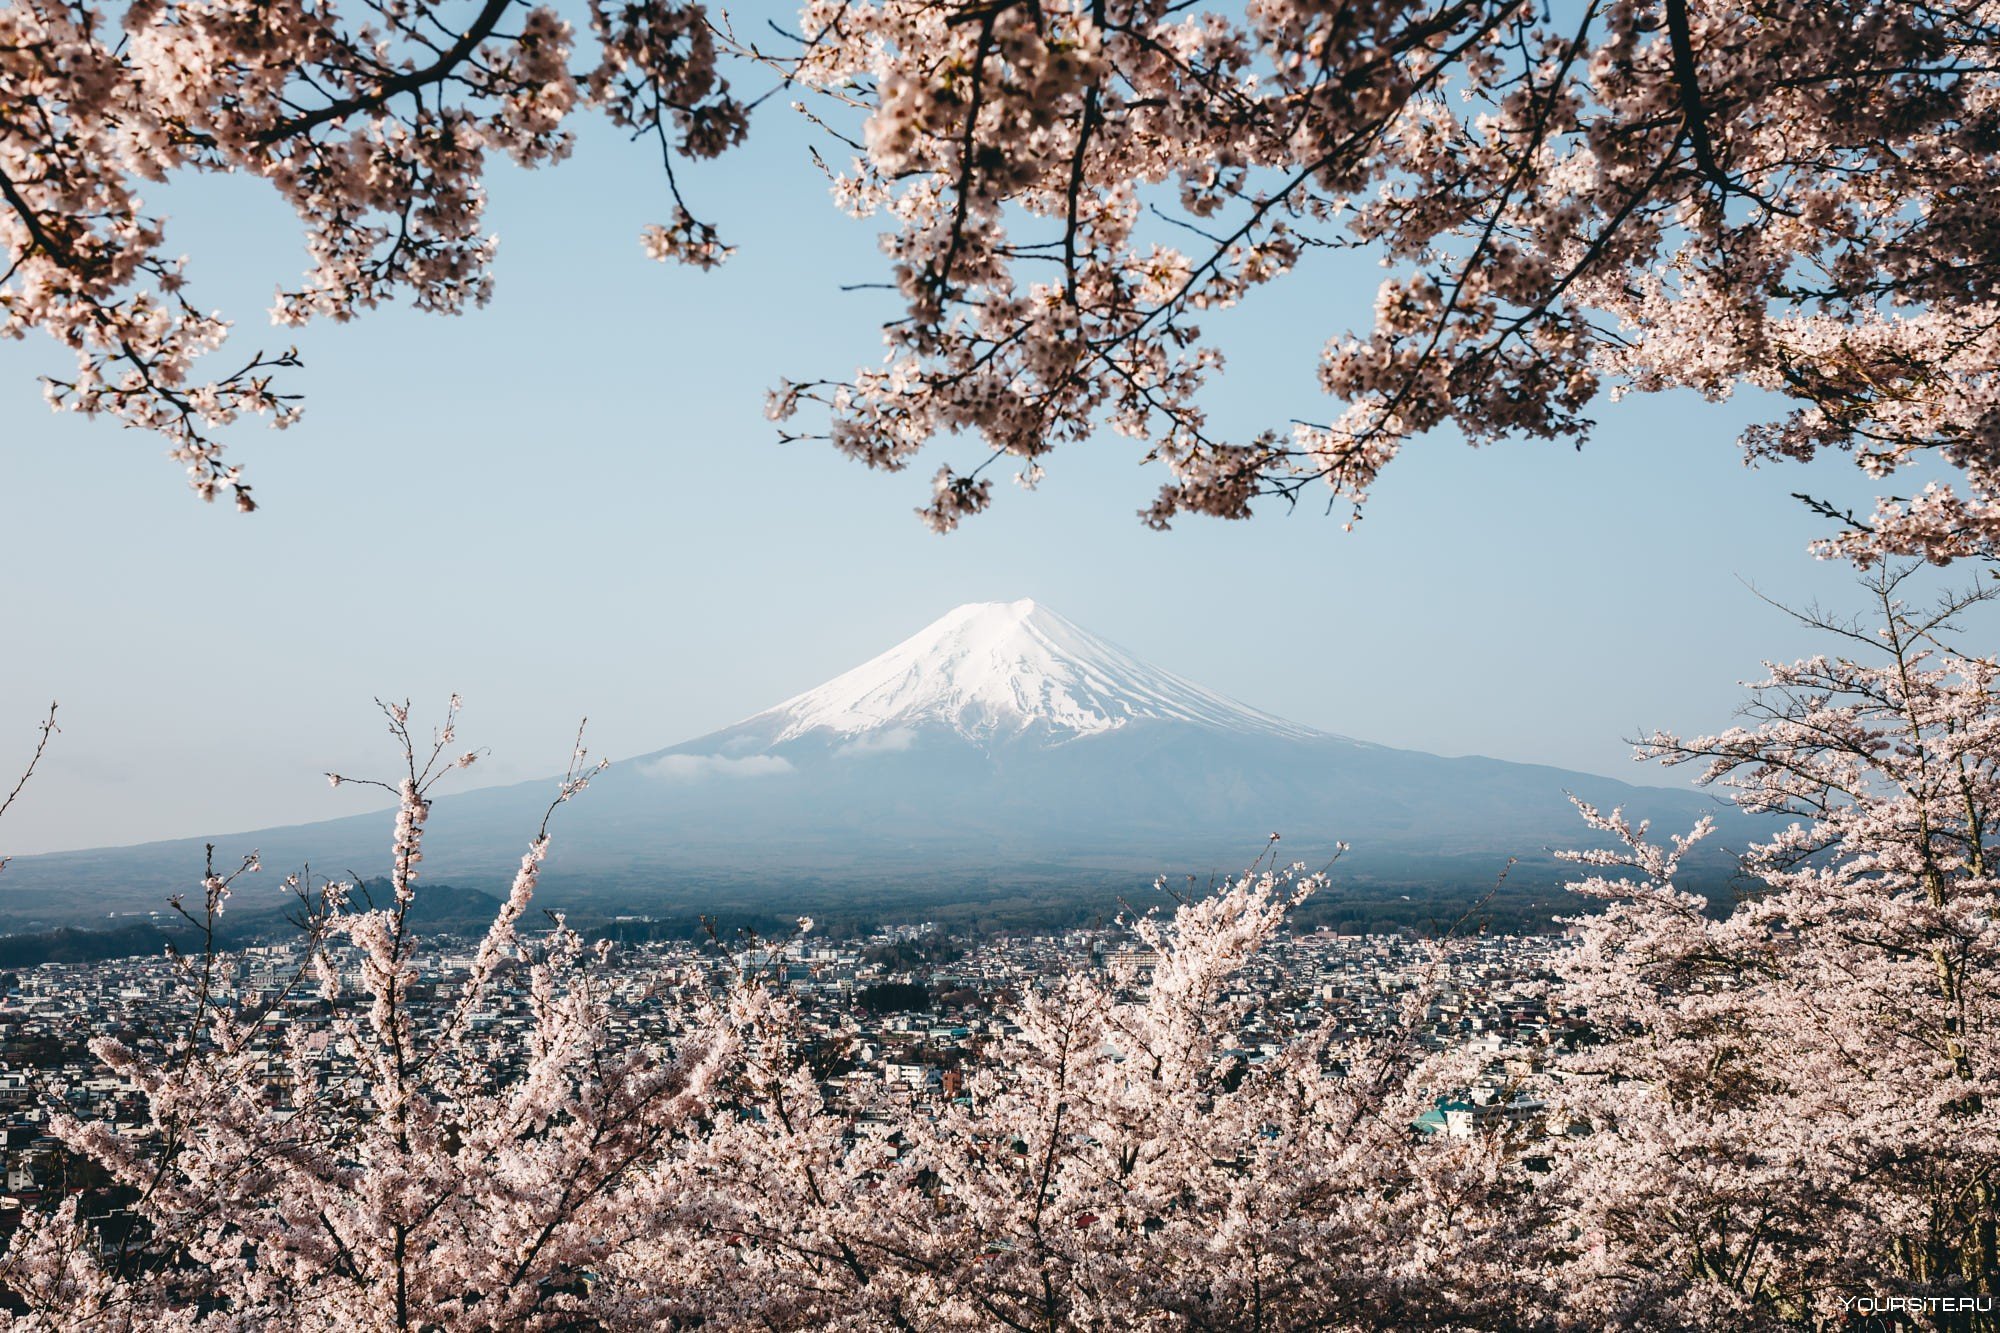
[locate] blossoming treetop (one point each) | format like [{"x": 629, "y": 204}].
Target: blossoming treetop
[{"x": 1602, "y": 197}]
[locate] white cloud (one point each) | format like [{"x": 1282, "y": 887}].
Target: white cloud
[
  {"x": 694, "y": 767},
  {"x": 892, "y": 740}
]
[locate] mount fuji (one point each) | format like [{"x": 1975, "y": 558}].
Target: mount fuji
[
  {"x": 1001, "y": 748},
  {"x": 995, "y": 675}
]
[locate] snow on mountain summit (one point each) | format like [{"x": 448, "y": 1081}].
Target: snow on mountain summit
[{"x": 993, "y": 670}]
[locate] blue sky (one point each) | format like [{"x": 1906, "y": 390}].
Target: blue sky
[{"x": 570, "y": 502}]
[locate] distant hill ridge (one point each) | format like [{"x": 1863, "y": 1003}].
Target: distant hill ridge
[{"x": 439, "y": 908}]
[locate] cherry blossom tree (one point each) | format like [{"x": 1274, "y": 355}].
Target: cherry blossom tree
[
  {"x": 363, "y": 1173},
  {"x": 1793, "y": 1104},
  {"x": 1116, "y": 1164}
]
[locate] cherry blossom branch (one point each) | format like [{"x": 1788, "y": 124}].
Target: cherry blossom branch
[{"x": 44, "y": 732}]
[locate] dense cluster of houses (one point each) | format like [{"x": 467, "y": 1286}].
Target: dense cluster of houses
[{"x": 899, "y": 1016}]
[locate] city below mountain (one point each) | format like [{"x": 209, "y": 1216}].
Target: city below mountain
[{"x": 1002, "y": 766}]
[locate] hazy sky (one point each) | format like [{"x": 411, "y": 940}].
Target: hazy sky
[{"x": 570, "y": 502}]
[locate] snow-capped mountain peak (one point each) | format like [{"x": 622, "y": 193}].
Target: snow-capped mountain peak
[{"x": 994, "y": 670}]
